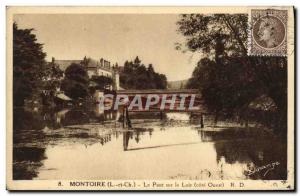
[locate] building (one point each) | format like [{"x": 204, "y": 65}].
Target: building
[{"x": 94, "y": 68}]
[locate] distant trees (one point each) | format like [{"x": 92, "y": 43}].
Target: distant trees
[
  {"x": 28, "y": 65},
  {"x": 136, "y": 75},
  {"x": 76, "y": 82}
]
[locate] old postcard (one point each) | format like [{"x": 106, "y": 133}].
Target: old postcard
[{"x": 150, "y": 98}]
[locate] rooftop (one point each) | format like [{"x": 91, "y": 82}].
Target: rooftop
[{"x": 91, "y": 64}]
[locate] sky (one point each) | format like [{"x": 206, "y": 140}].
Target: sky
[{"x": 114, "y": 37}]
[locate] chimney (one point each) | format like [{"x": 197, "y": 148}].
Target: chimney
[{"x": 101, "y": 62}]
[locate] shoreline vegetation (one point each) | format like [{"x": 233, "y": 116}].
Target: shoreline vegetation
[{"x": 232, "y": 84}]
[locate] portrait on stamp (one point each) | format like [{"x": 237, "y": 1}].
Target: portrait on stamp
[{"x": 268, "y": 32}]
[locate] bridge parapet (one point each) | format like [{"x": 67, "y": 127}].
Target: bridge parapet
[{"x": 159, "y": 91}]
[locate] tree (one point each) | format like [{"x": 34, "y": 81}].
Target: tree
[
  {"x": 28, "y": 64},
  {"x": 101, "y": 81},
  {"x": 76, "y": 82},
  {"x": 227, "y": 77},
  {"x": 51, "y": 81},
  {"x": 136, "y": 75},
  {"x": 224, "y": 32}
]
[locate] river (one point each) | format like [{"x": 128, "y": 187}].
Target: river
[{"x": 80, "y": 144}]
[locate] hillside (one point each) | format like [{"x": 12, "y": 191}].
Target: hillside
[{"x": 179, "y": 84}]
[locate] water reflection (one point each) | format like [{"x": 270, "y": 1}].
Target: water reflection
[
  {"x": 52, "y": 119},
  {"x": 27, "y": 161},
  {"x": 54, "y": 144},
  {"x": 255, "y": 153}
]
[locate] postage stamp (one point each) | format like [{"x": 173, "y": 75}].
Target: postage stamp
[{"x": 268, "y": 33}]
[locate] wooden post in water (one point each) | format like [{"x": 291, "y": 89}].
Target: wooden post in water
[
  {"x": 127, "y": 118},
  {"x": 123, "y": 117},
  {"x": 201, "y": 121}
]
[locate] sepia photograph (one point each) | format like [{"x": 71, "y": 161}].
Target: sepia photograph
[{"x": 150, "y": 98}]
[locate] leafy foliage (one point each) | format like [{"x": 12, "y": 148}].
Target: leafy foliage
[
  {"x": 51, "y": 82},
  {"x": 76, "y": 82},
  {"x": 227, "y": 77},
  {"x": 203, "y": 32},
  {"x": 101, "y": 82},
  {"x": 137, "y": 76},
  {"x": 28, "y": 64}
]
